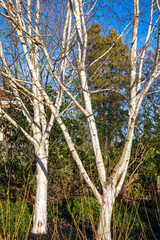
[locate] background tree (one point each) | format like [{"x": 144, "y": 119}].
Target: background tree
[{"x": 112, "y": 72}]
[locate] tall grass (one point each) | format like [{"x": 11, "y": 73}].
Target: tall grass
[
  {"x": 15, "y": 217},
  {"x": 77, "y": 218}
]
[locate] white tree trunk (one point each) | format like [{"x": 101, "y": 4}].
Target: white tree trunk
[
  {"x": 40, "y": 210},
  {"x": 104, "y": 226}
]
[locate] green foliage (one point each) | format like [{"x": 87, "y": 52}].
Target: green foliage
[
  {"x": 17, "y": 170},
  {"x": 15, "y": 218},
  {"x": 80, "y": 209},
  {"x": 84, "y": 209},
  {"x": 63, "y": 171},
  {"x": 129, "y": 216},
  {"x": 126, "y": 216},
  {"x": 64, "y": 175},
  {"x": 110, "y": 72}
]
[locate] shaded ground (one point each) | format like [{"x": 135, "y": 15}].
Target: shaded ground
[
  {"x": 70, "y": 233},
  {"x": 67, "y": 231},
  {"x": 73, "y": 236},
  {"x": 64, "y": 232}
]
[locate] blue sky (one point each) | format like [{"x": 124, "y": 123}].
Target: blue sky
[{"x": 117, "y": 14}]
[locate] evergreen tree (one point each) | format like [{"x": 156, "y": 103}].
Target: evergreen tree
[{"x": 111, "y": 72}]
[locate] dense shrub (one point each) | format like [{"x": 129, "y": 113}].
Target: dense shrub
[
  {"x": 15, "y": 218},
  {"x": 126, "y": 216},
  {"x": 82, "y": 209},
  {"x": 133, "y": 216},
  {"x": 17, "y": 172}
]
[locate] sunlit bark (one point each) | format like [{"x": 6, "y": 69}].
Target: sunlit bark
[
  {"x": 74, "y": 35},
  {"x": 40, "y": 124}
]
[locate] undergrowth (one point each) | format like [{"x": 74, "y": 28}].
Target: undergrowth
[{"x": 80, "y": 214}]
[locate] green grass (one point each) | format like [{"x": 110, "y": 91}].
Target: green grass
[
  {"x": 15, "y": 219},
  {"x": 82, "y": 212},
  {"x": 126, "y": 217}
]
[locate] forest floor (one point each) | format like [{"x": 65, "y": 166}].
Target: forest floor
[{"x": 70, "y": 233}]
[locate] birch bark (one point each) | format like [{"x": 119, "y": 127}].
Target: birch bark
[
  {"x": 24, "y": 20},
  {"x": 40, "y": 209},
  {"x": 111, "y": 186},
  {"x": 75, "y": 35},
  {"x": 104, "y": 226}
]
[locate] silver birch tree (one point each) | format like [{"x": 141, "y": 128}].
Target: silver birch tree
[
  {"x": 139, "y": 87},
  {"x": 25, "y": 21},
  {"x": 75, "y": 35}
]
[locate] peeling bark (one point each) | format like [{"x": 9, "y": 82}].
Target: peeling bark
[
  {"x": 104, "y": 226},
  {"x": 40, "y": 209}
]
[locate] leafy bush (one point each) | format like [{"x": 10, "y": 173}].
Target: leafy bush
[
  {"x": 132, "y": 216},
  {"x": 15, "y": 218},
  {"x": 17, "y": 170},
  {"x": 82, "y": 209},
  {"x": 125, "y": 217},
  {"x": 150, "y": 218}
]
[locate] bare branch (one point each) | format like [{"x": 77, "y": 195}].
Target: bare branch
[
  {"x": 15, "y": 92},
  {"x": 15, "y": 124},
  {"x": 158, "y": 7}
]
